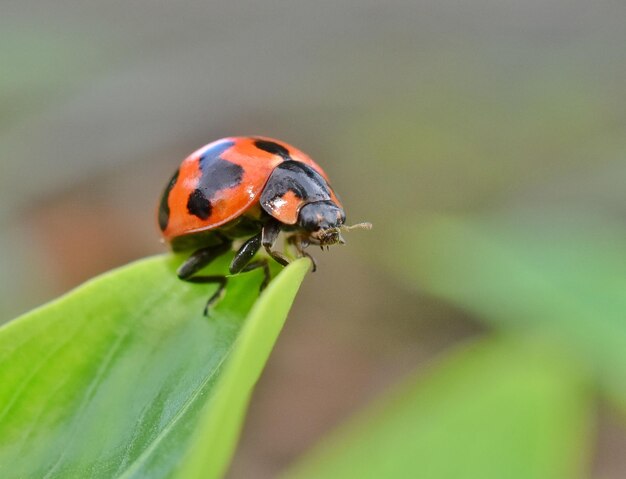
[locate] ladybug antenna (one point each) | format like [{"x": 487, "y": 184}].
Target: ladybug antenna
[{"x": 358, "y": 226}]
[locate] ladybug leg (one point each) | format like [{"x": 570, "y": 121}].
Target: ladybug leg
[
  {"x": 241, "y": 261},
  {"x": 262, "y": 263},
  {"x": 245, "y": 254},
  {"x": 221, "y": 284},
  {"x": 300, "y": 244},
  {"x": 199, "y": 260},
  {"x": 269, "y": 234}
]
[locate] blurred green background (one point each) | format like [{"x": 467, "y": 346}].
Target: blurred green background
[{"x": 486, "y": 142}]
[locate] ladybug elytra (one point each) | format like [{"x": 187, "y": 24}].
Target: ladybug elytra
[{"x": 253, "y": 188}]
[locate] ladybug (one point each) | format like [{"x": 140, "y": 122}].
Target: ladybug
[{"x": 249, "y": 188}]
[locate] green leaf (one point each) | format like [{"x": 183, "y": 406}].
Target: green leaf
[
  {"x": 497, "y": 409},
  {"x": 244, "y": 367},
  {"x": 124, "y": 377},
  {"x": 562, "y": 279}
]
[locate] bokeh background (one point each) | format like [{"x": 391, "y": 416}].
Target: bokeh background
[{"x": 502, "y": 117}]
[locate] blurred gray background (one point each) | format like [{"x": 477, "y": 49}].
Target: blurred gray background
[{"x": 412, "y": 108}]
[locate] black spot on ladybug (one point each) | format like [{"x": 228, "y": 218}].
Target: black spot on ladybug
[
  {"x": 199, "y": 205},
  {"x": 217, "y": 175},
  {"x": 216, "y": 150},
  {"x": 164, "y": 207},
  {"x": 273, "y": 148}
]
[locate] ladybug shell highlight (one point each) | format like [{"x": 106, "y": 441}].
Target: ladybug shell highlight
[{"x": 223, "y": 181}]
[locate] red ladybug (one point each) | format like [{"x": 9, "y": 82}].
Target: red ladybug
[{"x": 247, "y": 187}]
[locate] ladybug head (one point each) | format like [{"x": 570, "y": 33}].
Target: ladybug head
[{"x": 322, "y": 220}]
